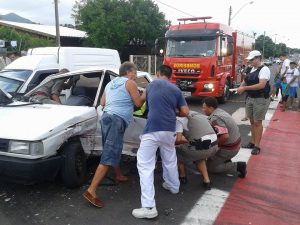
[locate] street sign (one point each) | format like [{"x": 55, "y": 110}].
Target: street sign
[
  {"x": 2, "y": 44},
  {"x": 13, "y": 44}
]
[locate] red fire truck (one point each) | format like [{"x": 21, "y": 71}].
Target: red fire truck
[{"x": 205, "y": 57}]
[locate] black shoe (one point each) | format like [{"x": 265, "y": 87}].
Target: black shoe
[
  {"x": 183, "y": 180},
  {"x": 242, "y": 169},
  {"x": 207, "y": 186},
  {"x": 249, "y": 145},
  {"x": 255, "y": 150}
]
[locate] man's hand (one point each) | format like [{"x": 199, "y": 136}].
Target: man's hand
[{"x": 241, "y": 90}]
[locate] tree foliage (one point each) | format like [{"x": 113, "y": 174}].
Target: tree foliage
[
  {"x": 120, "y": 23},
  {"x": 266, "y": 45},
  {"x": 24, "y": 41}
]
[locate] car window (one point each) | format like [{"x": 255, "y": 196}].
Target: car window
[{"x": 85, "y": 89}]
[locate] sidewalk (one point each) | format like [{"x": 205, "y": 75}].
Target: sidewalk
[{"x": 270, "y": 194}]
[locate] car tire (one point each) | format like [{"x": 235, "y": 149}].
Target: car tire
[
  {"x": 223, "y": 99},
  {"x": 73, "y": 171}
]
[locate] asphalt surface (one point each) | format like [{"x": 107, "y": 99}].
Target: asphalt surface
[{"x": 52, "y": 204}]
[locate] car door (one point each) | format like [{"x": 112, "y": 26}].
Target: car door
[{"x": 97, "y": 139}]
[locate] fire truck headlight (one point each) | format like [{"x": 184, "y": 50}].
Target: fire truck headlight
[{"x": 208, "y": 86}]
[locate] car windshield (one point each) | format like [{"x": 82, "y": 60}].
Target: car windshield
[
  {"x": 191, "y": 47},
  {"x": 11, "y": 80}
]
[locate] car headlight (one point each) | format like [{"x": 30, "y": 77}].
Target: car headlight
[
  {"x": 209, "y": 86},
  {"x": 26, "y": 148}
]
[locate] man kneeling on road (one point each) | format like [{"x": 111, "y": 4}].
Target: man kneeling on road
[
  {"x": 200, "y": 144},
  {"x": 229, "y": 140}
]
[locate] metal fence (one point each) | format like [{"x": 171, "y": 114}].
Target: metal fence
[{"x": 148, "y": 63}]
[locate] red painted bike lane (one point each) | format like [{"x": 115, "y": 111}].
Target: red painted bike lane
[{"x": 270, "y": 194}]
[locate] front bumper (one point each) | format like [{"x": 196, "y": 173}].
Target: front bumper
[{"x": 29, "y": 170}]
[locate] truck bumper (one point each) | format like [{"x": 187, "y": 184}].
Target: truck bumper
[
  {"x": 198, "y": 89},
  {"x": 29, "y": 170}
]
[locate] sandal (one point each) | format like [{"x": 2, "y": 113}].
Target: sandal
[
  {"x": 249, "y": 145},
  {"x": 93, "y": 200},
  {"x": 255, "y": 151}
]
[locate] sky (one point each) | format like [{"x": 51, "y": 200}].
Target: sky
[{"x": 279, "y": 19}]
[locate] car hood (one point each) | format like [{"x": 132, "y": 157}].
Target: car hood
[{"x": 37, "y": 122}]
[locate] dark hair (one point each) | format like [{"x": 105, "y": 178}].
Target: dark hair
[
  {"x": 165, "y": 70},
  {"x": 126, "y": 67},
  {"x": 293, "y": 62},
  {"x": 211, "y": 102},
  {"x": 284, "y": 54},
  {"x": 64, "y": 70}
]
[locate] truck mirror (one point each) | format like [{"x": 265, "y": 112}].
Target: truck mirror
[{"x": 224, "y": 52}]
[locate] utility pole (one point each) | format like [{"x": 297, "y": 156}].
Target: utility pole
[
  {"x": 254, "y": 34},
  {"x": 229, "y": 17},
  {"x": 57, "y": 23},
  {"x": 275, "y": 45},
  {"x": 263, "y": 51}
]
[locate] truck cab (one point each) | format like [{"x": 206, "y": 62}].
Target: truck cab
[{"x": 204, "y": 57}]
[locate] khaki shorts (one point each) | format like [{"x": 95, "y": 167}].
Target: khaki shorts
[{"x": 256, "y": 108}]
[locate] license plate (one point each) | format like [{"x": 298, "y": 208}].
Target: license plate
[{"x": 186, "y": 93}]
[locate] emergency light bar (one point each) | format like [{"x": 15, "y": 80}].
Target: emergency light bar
[{"x": 195, "y": 18}]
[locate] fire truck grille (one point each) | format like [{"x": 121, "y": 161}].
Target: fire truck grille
[
  {"x": 187, "y": 74},
  {"x": 4, "y": 145}
]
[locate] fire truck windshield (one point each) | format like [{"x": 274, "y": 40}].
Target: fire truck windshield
[{"x": 190, "y": 47}]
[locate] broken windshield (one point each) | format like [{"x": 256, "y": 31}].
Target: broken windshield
[
  {"x": 11, "y": 80},
  {"x": 180, "y": 47}
]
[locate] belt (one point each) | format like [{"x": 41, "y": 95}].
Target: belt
[
  {"x": 213, "y": 144},
  {"x": 200, "y": 146},
  {"x": 232, "y": 145}
]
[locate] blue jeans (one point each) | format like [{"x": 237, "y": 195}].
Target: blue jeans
[{"x": 113, "y": 128}]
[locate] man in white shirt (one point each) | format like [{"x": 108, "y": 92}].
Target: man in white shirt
[
  {"x": 292, "y": 76},
  {"x": 257, "y": 86}
]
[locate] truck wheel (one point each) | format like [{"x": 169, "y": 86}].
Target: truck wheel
[
  {"x": 226, "y": 94},
  {"x": 73, "y": 171}
]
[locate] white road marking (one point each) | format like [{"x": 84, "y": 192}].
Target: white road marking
[{"x": 207, "y": 208}]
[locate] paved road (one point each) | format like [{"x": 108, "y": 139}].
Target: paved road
[{"x": 52, "y": 204}]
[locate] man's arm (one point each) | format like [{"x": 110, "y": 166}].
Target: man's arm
[
  {"x": 262, "y": 83},
  {"x": 184, "y": 111},
  {"x": 222, "y": 138},
  {"x": 133, "y": 91},
  {"x": 55, "y": 98},
  {"x": 103, "y": 100}
]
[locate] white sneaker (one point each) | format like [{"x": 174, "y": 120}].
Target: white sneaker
[
  {"x": 166, "y": 186},
  {"x": 147, "y": 213}
]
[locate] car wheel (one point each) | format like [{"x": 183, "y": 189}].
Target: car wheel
[
  {"x": 226, "y": 93},
  {"x": 73, "y": 171}
]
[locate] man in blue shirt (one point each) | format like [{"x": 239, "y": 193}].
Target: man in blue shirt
[{"x": 164, "y": 101}]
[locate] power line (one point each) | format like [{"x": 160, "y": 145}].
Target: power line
[{"x": 175, "y": 8}]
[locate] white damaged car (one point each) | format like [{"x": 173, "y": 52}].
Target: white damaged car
[{"x": 42, "y": 141}]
